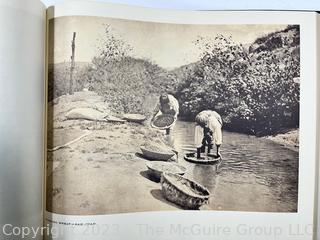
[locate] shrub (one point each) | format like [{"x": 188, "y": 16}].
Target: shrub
[{"x": 255, "y": 92}]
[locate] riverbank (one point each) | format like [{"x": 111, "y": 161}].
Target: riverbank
[
  {"x": 102, "y": 172},
  {"x": 289, "y": 139}
]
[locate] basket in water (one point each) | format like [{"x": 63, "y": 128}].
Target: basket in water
[
  {"x": 163, "y": 121},
  {"x": 154, "y": 152},
  {"x": 207, "y": 159},
  {"x": 184, "y": 192},
  {"x": 138, "y": 118},
  {"x": 156, "y": 169}
]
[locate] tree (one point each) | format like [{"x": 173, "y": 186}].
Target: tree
[
  {"x": 110, "y": 48},
  {"x": 255, "y": 91}
]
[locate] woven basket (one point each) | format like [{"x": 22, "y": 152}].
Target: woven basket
[
  {"x": 153, "y": 152},
  {"x": 114, "y": 119},
  {"x": 157, "y": 118},
  {"x": 205, "y": 160},
  {"x": 138, "y": 118},
  {"x": 156, "y": 169},
  {"x": 184, "y": 192}
]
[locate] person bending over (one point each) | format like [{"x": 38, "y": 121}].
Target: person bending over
[
  {"x": 167, "y": 104},
  {"x": 208, "y": 132}
]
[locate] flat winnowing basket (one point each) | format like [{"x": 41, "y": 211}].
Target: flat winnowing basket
[
  {"x": 205, "y": 160},
  {"x": 163, "y": 121},
  {"x": 184, "y": 192},
  {"x": 156, "y": 168},
  {"x": 138, "y": 118},
  {"x": 153, "y": 152}
]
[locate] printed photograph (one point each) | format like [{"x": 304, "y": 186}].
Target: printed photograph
[{"x": 147, "y": 116}]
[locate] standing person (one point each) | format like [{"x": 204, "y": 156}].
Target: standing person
[
  {"x": 208, "y": 131},
  {"x": 167, "y": 104}
]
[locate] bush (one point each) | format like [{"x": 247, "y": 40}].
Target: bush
[
  {"x": 255, "y": 92},
  {"x": 59, "y": 76},
  {"x": 130, "y": 85},
  {"x": 254, "y": 88}
]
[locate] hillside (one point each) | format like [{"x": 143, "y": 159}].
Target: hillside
[
  {"x": 289, "y": 37},
  {"x": 131, "y": 85},
  {"x": 125, "y": 84},
  {"x": 255, "y": 88},
  {"x": 59, "y": 75},
  {"x": 184, "y": 71}
]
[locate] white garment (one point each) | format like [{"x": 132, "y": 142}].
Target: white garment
[
  {"x": 206, "y": 114},
  {"x": 213, "y": 121},
  {"x": 214, "y": 125},
  {"x": 198, "y": 135},
  {"x": 173, "y": 105}
]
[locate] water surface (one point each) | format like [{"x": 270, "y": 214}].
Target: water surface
[{"x": 255, "y": 174}]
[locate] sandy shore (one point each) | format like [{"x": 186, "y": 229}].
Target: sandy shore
[
  {"x": 289, "y": 139},
  {"x": 103, "y": 173},
  {"x": 82, "y": 176}
]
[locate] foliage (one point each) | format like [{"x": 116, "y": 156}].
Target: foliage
[
  {"x": 255, "y": 91},
  {"x": 59, "y": 75},
  {"x": 129, "y": 85},
  {"x": 255, "y": 88},
  {"x": 110, "y": 48}
]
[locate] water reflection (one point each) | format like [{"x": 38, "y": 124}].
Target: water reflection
[{"x": 255, "y": 174}]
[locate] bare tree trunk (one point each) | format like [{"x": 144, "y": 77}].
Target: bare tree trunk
[{"x": 71, "y": 88}]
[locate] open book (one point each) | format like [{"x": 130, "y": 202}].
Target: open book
[{"x": 121, "y": 122}]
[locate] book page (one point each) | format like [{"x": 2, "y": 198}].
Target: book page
[
  {"x": 172, "y": 125},
  {"x": 22, "y": 78}
]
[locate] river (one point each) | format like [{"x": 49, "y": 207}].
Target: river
[{"x": 254, "y": 175}]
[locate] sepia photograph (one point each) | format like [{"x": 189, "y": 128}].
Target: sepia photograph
[{"x": 150, "y": 116}]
